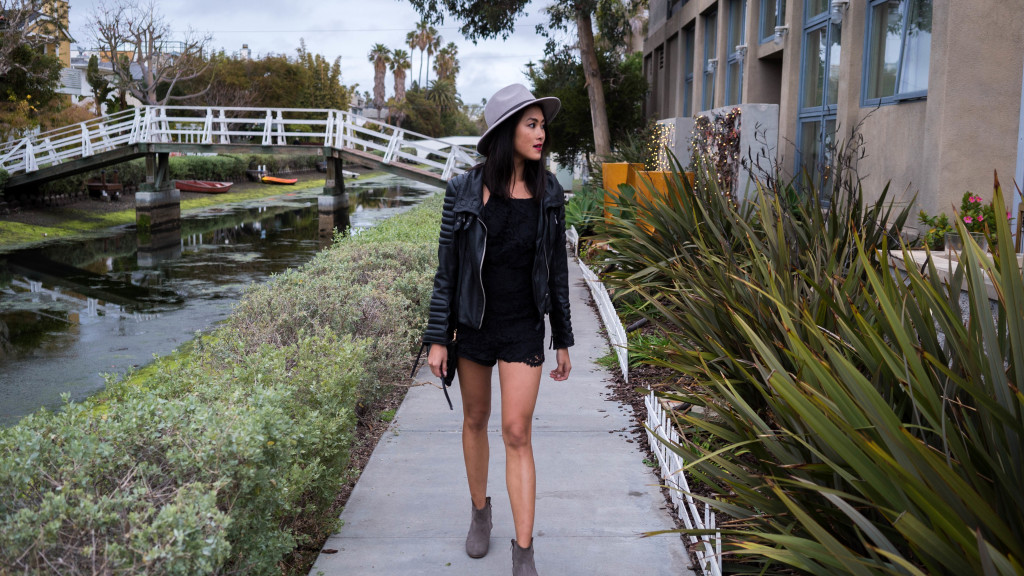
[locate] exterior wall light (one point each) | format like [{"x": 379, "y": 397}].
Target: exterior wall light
[
  {"x": 839, "y": 8},
  {"x": 780, "y": 34}
]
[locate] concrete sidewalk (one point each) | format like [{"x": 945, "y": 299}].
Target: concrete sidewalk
[{"x": 410, "y": 510}]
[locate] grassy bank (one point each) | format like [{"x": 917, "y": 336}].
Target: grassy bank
[{"x": 225, "y": 457}]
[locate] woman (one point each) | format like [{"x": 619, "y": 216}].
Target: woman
[{"x": 502, "y": 267}]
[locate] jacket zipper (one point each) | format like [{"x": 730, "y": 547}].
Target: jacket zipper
[
  {"x": 547, "y": 268},
  {"x": 480, "y": 273}
]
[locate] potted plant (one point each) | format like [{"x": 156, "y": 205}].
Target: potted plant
[
  {"x": 938, "y": 226},
  {"x": 976, "y": 214}
]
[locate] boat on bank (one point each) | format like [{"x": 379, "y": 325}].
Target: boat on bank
[
  {"x": 276, "y": 180},
  {"x": 203, "y": 186}
]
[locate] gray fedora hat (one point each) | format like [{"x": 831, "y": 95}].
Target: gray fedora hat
[{"x": 508, "y": 101}]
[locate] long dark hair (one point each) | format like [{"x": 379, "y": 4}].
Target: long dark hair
[{"x": 500, "y": 163}]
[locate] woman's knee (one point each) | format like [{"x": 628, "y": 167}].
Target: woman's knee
[
  {"x": 476, "y": 419},
  {"x": 517, "y": 434}
]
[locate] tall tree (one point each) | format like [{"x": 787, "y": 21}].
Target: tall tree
[
  {"x": 418, "y": 40},
  {"x": 446, "y": 65},
  {"x": 399, "y": 65},
  {"x": 433, "y": 44},
  {"x": 324, "y": 88},
  {"x": 412, "y": 41},
  {"x": 561, "y": 74},
  {"x": 493, "y": 18},
  {"x": 138, "y": 34},
  {"x": 98, "y": 83},
  {"x": 29, "y": 24},
  {"x": 379, "y": 55}
]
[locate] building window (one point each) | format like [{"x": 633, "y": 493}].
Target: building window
[
  {"x": 737, "y": 52},
  {"x": 815, "y": 8},
  {"x": 710, "y": 60},
  {"x": 688, "y": 56},
  {"x": 898, "y": 50},
  {"x": 819, "y": 97},
  {"x": 773, "y": 13}
]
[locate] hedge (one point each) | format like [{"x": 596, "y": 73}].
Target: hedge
[{"x": 224, "y": 458}]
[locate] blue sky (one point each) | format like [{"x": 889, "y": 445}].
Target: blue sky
[{"x": 346, "y": 28}]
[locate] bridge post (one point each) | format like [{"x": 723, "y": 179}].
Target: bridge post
[
  {"x": 333, "y": 204},
  {"x": 158, "y": 206}
]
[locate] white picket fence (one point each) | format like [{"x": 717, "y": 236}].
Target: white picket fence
[
  {"x": 661, "y": 431},
  {"x": 190, "y": 125}
]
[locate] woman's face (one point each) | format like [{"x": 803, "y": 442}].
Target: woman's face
[{"x": 530, "y": 134}]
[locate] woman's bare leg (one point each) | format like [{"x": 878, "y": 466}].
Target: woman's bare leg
[
  {"x": 520, "y": 384},
  {"x": 475, "y": 383}
]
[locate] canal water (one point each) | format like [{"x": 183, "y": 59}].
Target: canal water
[{"x": 73, "y": 311}]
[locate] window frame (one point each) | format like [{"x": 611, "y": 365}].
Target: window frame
[
  {"x": 710, "y": 23},
  {"x": 898, "y": 97},
  {"x": 689, "y": 48},
  {"x": 780, "y": 20},
  {"x": 825, "y": 112},
  {"x": 735, "y": 56}
]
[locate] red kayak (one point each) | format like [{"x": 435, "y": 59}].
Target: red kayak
[
  {"x": 276, "y": 180},
  {"x": 204, "y": 186}
]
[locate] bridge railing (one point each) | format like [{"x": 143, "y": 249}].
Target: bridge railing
[{"x": 191, "y": 125}]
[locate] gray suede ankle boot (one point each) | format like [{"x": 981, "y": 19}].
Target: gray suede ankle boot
[
  {"x": 479, "y": 538},
  {"x": 522, "y": 560}
]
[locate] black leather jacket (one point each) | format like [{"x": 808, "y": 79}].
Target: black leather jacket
[{"x": 461, "y": 251}]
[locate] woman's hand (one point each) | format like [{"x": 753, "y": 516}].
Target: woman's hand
[
  {"x": 437, "y": 359},
  {"x": 561, "y": 372}
]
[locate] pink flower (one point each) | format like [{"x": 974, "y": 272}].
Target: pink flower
[
  {"x": 967, "y": 219},
  {"x": 1008, "y": 215},
  {"x": 981, "y": 217}
]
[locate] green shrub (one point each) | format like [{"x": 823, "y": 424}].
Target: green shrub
[
  {"x": 216, "y": 168},
  {"x": 585, "y": 209},
  {"x": 375, "y": 285},
  {"x": 854, "y": 422},
  {"x": 205, "y": 464}
]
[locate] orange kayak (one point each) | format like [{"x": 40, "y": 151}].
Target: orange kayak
[{"x": 276, "y": 180}]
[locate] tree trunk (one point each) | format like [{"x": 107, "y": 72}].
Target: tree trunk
[{"x": 595, "y": 89}]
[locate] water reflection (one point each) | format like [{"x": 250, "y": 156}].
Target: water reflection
[{"x": 71, "y": 311}]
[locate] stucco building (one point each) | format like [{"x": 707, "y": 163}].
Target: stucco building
[{"x": 934, "y": 86}]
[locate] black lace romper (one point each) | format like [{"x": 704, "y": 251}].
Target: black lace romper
[{"x": 512, "y": 330}]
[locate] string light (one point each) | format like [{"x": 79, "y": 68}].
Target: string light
[
  {"x": 663, "y": 135},
  {"x": 717, "y": 139}
]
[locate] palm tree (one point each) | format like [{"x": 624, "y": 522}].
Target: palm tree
[
  {"x": 379, "y": 55},
  {"x": 447, "y": 63},
  {"x": 444, "y": 96},
  {"x": 399, "y": 64},
  {"x": 433, "y": 43},
  {"x": 418, "y": 39}
]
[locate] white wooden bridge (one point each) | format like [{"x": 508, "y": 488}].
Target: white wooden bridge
[{"x": 162, "y": 130}]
